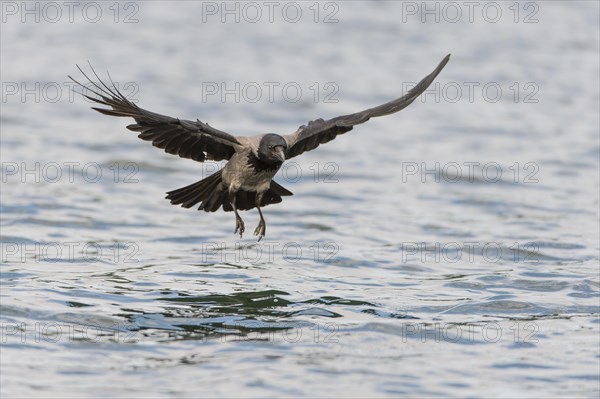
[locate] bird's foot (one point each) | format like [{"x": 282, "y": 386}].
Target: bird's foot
[
  {"x": 260, "y": 230},
  {"x": 239, "y": 225}
]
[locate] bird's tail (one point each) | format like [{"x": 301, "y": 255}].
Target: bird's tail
[
  {"x": 213, "y": 194},
  {"x": 210, "y": 191}
]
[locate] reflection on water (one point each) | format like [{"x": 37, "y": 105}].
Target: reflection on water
[{"x": 450, "y": 250}]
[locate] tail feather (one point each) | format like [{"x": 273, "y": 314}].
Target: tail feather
[
  {"x": 212, "y": 194},
  {"x": 192, "y": 196},
  {"x": 204, "y": 192},
  {"x": 201, "y": 191},
  {"x": 278, "y": 190},
  {"x": 214, "y": 200}
]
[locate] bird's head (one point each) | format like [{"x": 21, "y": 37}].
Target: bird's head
[{"x": 271, "y": 149}]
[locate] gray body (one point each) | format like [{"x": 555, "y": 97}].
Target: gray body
[{"x": 239, "y": 173}]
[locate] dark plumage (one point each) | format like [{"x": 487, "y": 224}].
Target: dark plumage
[{"x": 246, "y": 181}]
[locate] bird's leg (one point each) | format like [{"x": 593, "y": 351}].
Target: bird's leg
[
  {"x": 239, "y": 223},
  {"x": 261, "y": 229}
]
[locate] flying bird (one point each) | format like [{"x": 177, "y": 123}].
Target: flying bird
[{"x": 246, "y": 180}]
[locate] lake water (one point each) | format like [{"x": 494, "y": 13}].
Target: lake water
[{"x": 449, "y": 250}]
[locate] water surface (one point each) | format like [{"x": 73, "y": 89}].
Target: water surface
[{"x": 450, "y": 250}]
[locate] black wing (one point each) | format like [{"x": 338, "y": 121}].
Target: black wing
[
  {"x": 188, "y": 139},
  {"x": 308, "y": 137}
]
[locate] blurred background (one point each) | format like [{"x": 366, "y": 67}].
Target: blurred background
[{"x": 448, "y": 250}]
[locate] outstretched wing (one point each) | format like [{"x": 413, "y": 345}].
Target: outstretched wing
[
  {"x": 308, "y": 137},
  {"x": 188, "y": 139}
]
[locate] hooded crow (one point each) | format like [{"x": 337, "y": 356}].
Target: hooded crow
[{"x": 246, "y": 180}]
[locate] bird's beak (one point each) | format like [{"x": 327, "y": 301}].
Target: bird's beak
[{"x": 280, "y": 155}]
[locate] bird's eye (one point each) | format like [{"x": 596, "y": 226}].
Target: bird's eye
[{"x": 270, "y": 147}]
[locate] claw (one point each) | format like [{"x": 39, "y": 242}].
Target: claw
[
  {"x": 239, "y": 225},
  {"x": 260, "y": 230}
]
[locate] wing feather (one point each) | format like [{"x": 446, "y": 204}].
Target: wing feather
[
  {"x": 317, "y": 132},
  {"x": 188, "y": 139}
]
